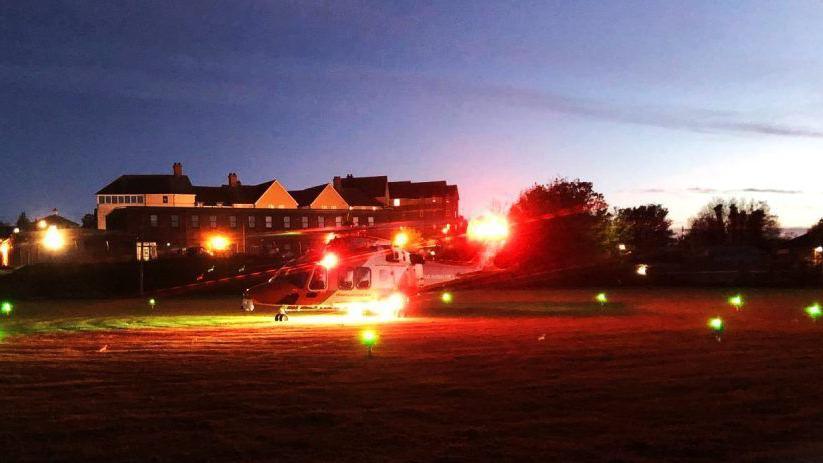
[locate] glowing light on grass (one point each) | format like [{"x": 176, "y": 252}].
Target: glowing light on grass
[
  {"x": 601, "y": 298},
  {"x": 369, "y": 339},
  {"x": 716, "y": 324},
  {"x": 152, "y": 303},
  {"x": 814, "y": 311},
  {"x": 401, "y": 239},
  {"x": 737, "y": 301},
  {"x": 53, "y": 240},
  {"x": 5, "y": 308},
  {"x": 642, "y": 270},
  {"x": 329, "y": 260},
  {"x": 446, "y": 297}
]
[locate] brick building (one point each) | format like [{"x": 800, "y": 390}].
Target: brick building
[{"x": 168, "y": 214}]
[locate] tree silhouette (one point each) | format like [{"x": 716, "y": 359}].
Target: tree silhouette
[
  {"x": 643, "y": 229},
  {"x": 734, "y": 221}
]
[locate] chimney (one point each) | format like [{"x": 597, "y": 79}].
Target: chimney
[
  {"x": 233, "y": 179},
  {"x": 338, "y": 183},
  {"x": 177, "y": 168}
]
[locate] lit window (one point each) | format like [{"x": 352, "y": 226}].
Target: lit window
[
  {"x": 175, "y": 221},
  {"x": 321, "y": 221},
  {"x": 338, "y": 221},
  {"x": 233, "y": 221},
  {"x": 305, "y": 222},
  {"x": 213, "y": 221},
  {"x": 153, "y": 220},
  {"x": 286, "y": 222},
  {"x": 396, "y": 202},
  {"x": 128, "y": 199},
  {"x": 268, "y": 221},
  {"x": 252, "y": 221},
  {"x": 165, "y": 199},
  {"x": 195, "y": 221},
  {"x": 371, "y": 221}
]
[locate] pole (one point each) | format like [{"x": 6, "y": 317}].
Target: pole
[{"x": 141, "y": 272}]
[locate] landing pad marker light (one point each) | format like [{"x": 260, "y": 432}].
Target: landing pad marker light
[
  {"x": 642, "y": 270},
  {"x": 717, "y": 326},
  {"x": 5, "y": 308},
  {"x": 152, "y": 303},
  {"x": 814, "y": 311},
  {"x": 737, "y": 301},
  {"x": 446, "y": 297},
  {"x": 369, "y": 339},
  {"x": 601, "y": 298}
]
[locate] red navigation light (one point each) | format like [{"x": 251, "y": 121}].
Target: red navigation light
[
  {"x": 329, "y": 260},
  {"x": 488, "y": 228}
]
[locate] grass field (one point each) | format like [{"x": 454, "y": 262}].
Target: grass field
[{"x": 515, "y": 375}]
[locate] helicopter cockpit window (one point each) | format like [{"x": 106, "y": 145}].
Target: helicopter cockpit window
[
  {"x": 362, "y": 277},
  {"x": 319, "y": 279},
  {"x": 346, "y": 279}
]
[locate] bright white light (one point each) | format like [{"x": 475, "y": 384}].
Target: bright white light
[
  {"x": 42, "y": 224},
  {"x": 53, "y": 240},
  {"x": 329, "y": 260},
  {"x": 642, "y": 269},
  {"x": 488, "y": 228}
]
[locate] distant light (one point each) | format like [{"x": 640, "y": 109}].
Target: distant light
[
  {"x": 447, "y": 297},
  {"x": 5, "y": 247},
  {"x": 446, "y": 229},
  {"x": 152, "y": 303},
  {"x": 396, "y": 202},
  {"x": 488, "y": 228},
  {"x": 5, "y": 308},
  {"x": 218, "y": 243},
  {"x": 329, "y": 260},
  {"x": 42, "y": 224},
  {"x": 819, "y": 249},
  {"x": 737, "y": 301},
  {"x": 401, "y": 239},
  {"x": 716, "y": 324},
  {"x": 329, "y": 238},
  {"x": 642, "y": 269},
  {"x": 53, "y": 240},
  {"x": 621, "y": 247},
  {"x": 601, "y": 298},
  {"x": 814, "y": 311},
  {"x": 16, "y": 230}
]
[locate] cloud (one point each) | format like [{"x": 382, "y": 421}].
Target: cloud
[
  {"x": 702, "y": 190},
  {"x": 705, "y": 190},
  {"x": 772, "y": 191}
]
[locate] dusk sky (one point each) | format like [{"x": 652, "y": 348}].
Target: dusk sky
[{"x": 670, "y": 102}]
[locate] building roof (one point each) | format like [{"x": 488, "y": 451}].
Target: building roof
[
  {"x": 307, "y": 196},
  {"x": 374, "y": 187},
  {"x": 407, "y": 189},
  {"x": 148, "y": 184},
  {"x": 227, "y": 195},
  {"x": 356, "y": 197},
  {"x": 58, "y": 220}
]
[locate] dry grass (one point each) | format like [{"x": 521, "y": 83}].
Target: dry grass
[{"x": 541, "y": 375}]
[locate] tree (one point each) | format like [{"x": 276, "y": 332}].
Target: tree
[
  {"x": 816, "y": 231},
  {"x": 643, "y": 229},
  {"x": 23, "y": 221},
  {"x": 562, "y": 223},
  {"x": 89, "y": 221},
  {"x": 734, "y": 221}
]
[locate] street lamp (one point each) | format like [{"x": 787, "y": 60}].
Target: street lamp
[{"x": 53, "y": 240}]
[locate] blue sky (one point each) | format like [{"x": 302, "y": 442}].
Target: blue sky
[{"x": 671, "y": 102}]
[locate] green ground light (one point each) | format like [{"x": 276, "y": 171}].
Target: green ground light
[
  {"x": 736, "y": 301},
  {"x": 369, "y": 339},
  {"x": 716, "y": 324},
  {"x": 814, "y": 311},
  {"x": 601, "y": 298},
  {"x": 5, "y": 308},
  {"x": 446, "y": 297}
]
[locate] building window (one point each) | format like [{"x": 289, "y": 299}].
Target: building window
[
  {"x": 305, "y": 222},
  {"x": 213, "y": 221},
  {"x": 286, "y": 222},
  {"x": 321, "y": 221},
  {"x": 396, "y": 202},
  {"x": 268, "y": 221},
  {"x": 251, "y": 221},
  {"x": 338, "y": 221},
  {"x": 175, "y": 221},
  {"x": 233, "y": 221},
  {"x": 195, "y": 221},
  {"x": 153, "y": 220},
  {"x": 128, "y": 199},
  {"x": 355, "y": 221},
  {"x": 165, "y": 199},
  {"x": 371, "y": 221}
]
